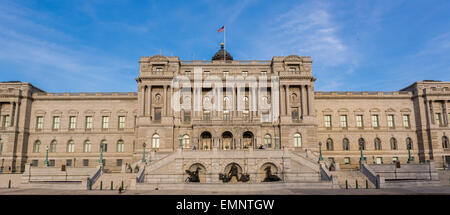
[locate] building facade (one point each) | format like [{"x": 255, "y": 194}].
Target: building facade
[{"x": 222, "y": 105}]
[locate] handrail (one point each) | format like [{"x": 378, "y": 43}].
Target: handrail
[
  {"x": 141, "y": 174},
  {"x": 92, "y": 179}
]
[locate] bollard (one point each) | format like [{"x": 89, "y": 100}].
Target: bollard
[
  {"x": 367, "y": 184},
  {"x": 377, "y": 185},
  {"x": 9, "y": 184},
  {"x": 121, "y": 186},
  {"x": 356, "y": 184},
  {"x": 346, "y": 184},
  {"x": 101, "y": 185},
  {"x": 111, "y": 185}
]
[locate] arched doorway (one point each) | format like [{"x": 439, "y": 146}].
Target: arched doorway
[
  {"x": 206, "y": 140},
  {"x": 196, "y": 173},
  {"x": 227, "y": 140},
  {"x": 247, "y": 140}
]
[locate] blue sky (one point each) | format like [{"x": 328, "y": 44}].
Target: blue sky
[{"x": 79, "y": 46}]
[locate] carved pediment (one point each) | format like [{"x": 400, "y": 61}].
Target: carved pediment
[
  {"x": 159, "y": 58},
  {"x": 327, "y": 110},
  {"x": 374, "y": 110},
  {"x": 405, "y": 110},
  {"x": 57, "y": 112},
  {"x": 293, "y": 58},
  {"x": 343, "y": 110},
  {"x": 390, "y": 110},
  {"x": 359, "y": 110}
]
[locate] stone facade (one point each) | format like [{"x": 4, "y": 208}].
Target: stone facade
[{"x": 270, "y": 103}]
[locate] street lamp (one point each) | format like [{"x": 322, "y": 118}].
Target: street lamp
[
  {"x": 361, "y": 146},
  {"x": 320, "y": 151},
  {"x": 101, "y": 153},
  {"x": 277, "y": 138},
  {"x": 409, "y": 153},
  {"x": 46, "y": 156},
  {"x": 143, "y": 153},
  {"x": 180, "y": 139}
]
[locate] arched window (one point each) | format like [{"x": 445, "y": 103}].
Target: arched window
[
  {"x": 53, "y": 146},
  {"x": 377, "y": 143},
  {"x": 297, "y": 140},
  {"x": 330, "y": 145},
  {"x": 155, "y": 141},
  {"x": 37, "y": 146},
  {"x": 105, "y": 145},
  {"x": 345, "y": 144},
  {"x": 186, "y": 141},
  {"x": 444, "y": 142},
  {"x": 267, "y": 141},
  {"x": 87, "y": 146},
  {"x": 409, "y": 143},
  {"x": 1, "y": 145},
  {"x": 394, "y": 144},
  {"x": 362, "y": 143},
  {"x": 70, "y": 146},
  {"x": 120, "y": 146}
]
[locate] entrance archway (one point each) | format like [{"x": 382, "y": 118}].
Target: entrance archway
[
  {"x": 227, "y": 140},
  {"x": 247, "y": 140},
  {"x": 206, "y": 140}
]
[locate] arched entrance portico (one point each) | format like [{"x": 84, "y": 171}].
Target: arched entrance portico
[
  {"x": 247, "y": 140},
  {"x": 227, "y": 140},
  {"x": 205, "y": 139}
]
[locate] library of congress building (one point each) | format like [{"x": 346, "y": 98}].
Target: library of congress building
[{"x": 226, "y": 111}]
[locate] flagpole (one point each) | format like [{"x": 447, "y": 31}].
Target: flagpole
[{"x": 224, "y": 42}]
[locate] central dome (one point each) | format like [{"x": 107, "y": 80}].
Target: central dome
[{"x": 221, "y": 53}]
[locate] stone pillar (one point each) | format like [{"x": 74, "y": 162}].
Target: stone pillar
[
  {"x": 16, "y": 113},
  {"x": 444, "y": 112},
  {"x": 304, "y": 100},
  {"x": 165, "y": 101},
  {"x": 282, "y": 100},
  {"x": 170, "y": 108},
  {"x": 310, "y": 100},
  {"x": 288, "y": 105},
  {"x": 11, "y": 114},
  {"x": 141, "y": 91},
  {"x": 149, "y": 108},
  {"x": 433, "y": 121},
  {"x": 234, "y": 101}
]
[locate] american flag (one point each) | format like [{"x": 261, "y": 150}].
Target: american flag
[{"x": 221, "y": 29}]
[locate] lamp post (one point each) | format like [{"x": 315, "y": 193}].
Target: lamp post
[
  {"x": 180, "y": 139},
  {"x": 277, "y": 138},
  {"x": 361, "y": 146},
  {"x": 46, "y": 156},
  {"x": 101, "y": 153},
  {"x": 409, "y": 153},
  {"x": 143, "y": 153},
  {"x": 320, "y": 152}
]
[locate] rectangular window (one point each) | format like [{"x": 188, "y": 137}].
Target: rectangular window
[
  {"x": 226, "y": 115},
  {"x": 244, "y": 73},
  {"x": 39, "y": 122},
  {"x": 51, "y": 162},
  {"x": 69, "y": 162},
  {"x": 6, "y": 121},
  {"x": 105, "y": 122},
  {"x": 245, "y": 115},
  {"x": 390, "y": 119},
  {"x": 56, "y": 120},
  {"x": 394, "y": 159},
  {"x": 346, "y": 160},
  {"x": 34, "y": 163},
  {"x": 327, "y": 120},
  {"x": 119, "y": 162},
  {"x": 406, "y": 123},
  {"x": 121, "y": 122},
  {"x": 344, "y": 121},
  {"x": 359, "y": 121},
  {"x": 331, "y": 159},
  {"x": 85, "y": 162},
  {"x": 438, "y": 119},
  {"x": 72, "y": 122},
  {"x": 379, "y": 160},
  {"x": 158, "y": 114},
  {"x": 375, "y": 123},
  {"x": 206, "y": 115},
  {"x": 89, "y": 122},
  {"x": 265, "y": 117},
  {"x": 187, "y": 116},
  {"x": 294, "y": 114}
]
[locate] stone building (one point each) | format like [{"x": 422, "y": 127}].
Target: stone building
[{"x": 222, "y": 111}]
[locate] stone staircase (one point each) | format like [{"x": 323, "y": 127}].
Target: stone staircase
[{"x": 352, "y": 177}]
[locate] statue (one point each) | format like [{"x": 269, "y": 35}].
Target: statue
[
  {"x": 193, "y": 176},
  {"x": 233, "y": 175},
  {"x": 269, "y": 176}
]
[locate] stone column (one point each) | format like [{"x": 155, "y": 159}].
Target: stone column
[
  {"x": 16, "y": 113},
  {"x": 433, "y": 121},
  {"x": 165, "y": 100},
  {"x": 11, "y": 114},
  {"x": 288, "y": 105},
  {"x": 234, "y": 102},
  {"x": 282, "y": 100},
  {"x": 444, "y": 112},
  {"x": 149, "y": 108},
  {"x": 141, "y": 100},
  {"x": 310, "y": 100},
  {"x": 304, "y": 100},
  {"x": 170, "y": 108}
]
